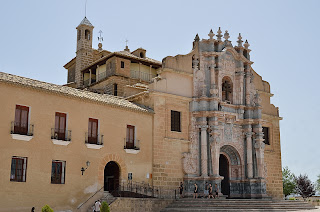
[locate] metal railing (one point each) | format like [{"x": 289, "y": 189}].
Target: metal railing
[
  {"x": 90, "y": 198},
  {"x": 22, "y": 128},
  {"x": 94, "y": 139},
  {"x": 61, "y": 134},
  {"x": 129, "y": 188},
  {"x": 141, "y": 75},
  {"x": 131, "y": 144}
]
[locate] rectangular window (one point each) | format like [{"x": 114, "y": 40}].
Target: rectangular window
[
  {"x": 122, "y": 64},
  {"x": 18, "y": 169},
  {"x": 58, "y": 172},
  {"x": 93, "y": 131},
  {"x": 130, "y": 137},
  {"x": 265, "y": 131},
  {"x": 175, "y": 121},
  {"x": 60, "y": 126},
  {"x": 21, "y": 120}
]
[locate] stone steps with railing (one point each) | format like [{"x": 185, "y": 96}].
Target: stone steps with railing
[{"x": 236, "y": 205}]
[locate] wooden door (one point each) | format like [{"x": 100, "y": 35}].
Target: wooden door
[
  {"x": 93, "y": 131},
  {"x": 21, "y": 120},
  {"x": 130, "y": 137},
  {"x": 60, "y": 126}
]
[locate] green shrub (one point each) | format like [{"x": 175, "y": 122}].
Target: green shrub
[
  {"x": 46, "y": 208},
  {"x": 105, "y": 207},
  {"x": 292, "y": 198}
]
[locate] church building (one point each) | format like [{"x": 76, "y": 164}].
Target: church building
[{"x": 201, "y": 117}]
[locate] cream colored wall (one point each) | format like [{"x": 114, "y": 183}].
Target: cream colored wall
[
  {"x": 143, "y": 68},
  {"x": 40, "y": 151},
  {"x": 173, "y": 82}
]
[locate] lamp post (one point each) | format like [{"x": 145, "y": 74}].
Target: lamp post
[{"x": 84, "y": 169}]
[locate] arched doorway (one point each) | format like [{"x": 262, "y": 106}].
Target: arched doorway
[
  {"x": 224, "y": 171},
  {"x": 111, "y": 176}
]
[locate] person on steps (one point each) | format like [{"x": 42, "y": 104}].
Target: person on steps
[
  {"x": 181, "y": 190},
  {"x": 195, "y": 192},
  {"x": 216, "y": 191},
  {"x": 210, "y": 191}
]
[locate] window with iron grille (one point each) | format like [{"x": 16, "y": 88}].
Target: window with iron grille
[
  {"x": 58, "y": 172},
  {"x": 18, "y": 169},
  {"x": 265, "y": 131},
  {"x": 175, "y": 121}
]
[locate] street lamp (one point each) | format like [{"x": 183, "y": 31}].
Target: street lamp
[{"x": 84, "y": 169}]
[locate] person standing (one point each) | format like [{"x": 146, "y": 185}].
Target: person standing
[
  {"x": 206, "y": 190},
  {"x": 181, "y": 190},
  {"x": 97, "y": 206},
  {"x": 210, "y": 191},
  {"x": 216, "y": 190},
  {"x": 195, "y": 192}
]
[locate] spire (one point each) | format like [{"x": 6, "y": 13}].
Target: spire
[
  {"x": 246, "y": 44},
  {"x": 239, "y": 40},
  {"x": 85, "y": 21},
  {"x": 226, "y": 36},
  {"x": 197, "y": 38},
  {"x": 211, "y": 34},
  {"x": 219, "y": 35}
]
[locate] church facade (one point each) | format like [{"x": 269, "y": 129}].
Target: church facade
[{"x": 201, "y": 117}]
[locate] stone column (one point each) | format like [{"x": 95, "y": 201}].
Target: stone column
[
  {"x": 214, "y": 145},
  {"x": 90, "y": 77},
  {"x": 248, "y": 86},
  {"x": 204, "y": 151},
  {"x": 97, "y": 74},
  {"x": 249, "y": 152},
  {"x": 259, "y": 148}
]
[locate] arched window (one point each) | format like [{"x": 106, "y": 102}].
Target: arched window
[
  {"x": 87, "y": 34},
  {"x": 227, "y": 90},
  {"x": 141, "y": 55}
]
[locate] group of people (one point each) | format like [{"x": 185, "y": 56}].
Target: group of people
[{"x": 209, "y": 191}]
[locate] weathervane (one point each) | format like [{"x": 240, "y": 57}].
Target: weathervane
[
  {"x": 127, "y": 42},
  {"x": 100, "y": 38}
]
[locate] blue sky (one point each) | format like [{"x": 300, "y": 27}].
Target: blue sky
[{"x": 38, "y": 37}]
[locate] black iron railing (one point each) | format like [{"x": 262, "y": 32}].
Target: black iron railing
[
  {"x": 61, "y": 134},
  {"x": 22, "y": 128},
  {"x": 94, "y": 139},
  {"x": 130, "y": 143}
]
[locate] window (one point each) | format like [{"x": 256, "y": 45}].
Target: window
[
  {"x": 227, "y": 90},
  {"x": 18, "y": 169},
  {"x": 93, "y": 131},
  {"x": 141, "y": 55},
  {"x": 79, "y": 34},
  {"x": 115, "y": 89},
  {"x": 175, "y": 121},
  {"x": 122, "y": 64},
  {"x": 58, "y": 172},
  {"x": 87, "y": 34},
  {"x": 130, "y": 137},
  {"x": 60, "y": 126},
  {"x": 265, "y": 131},
  {"x": 21, "y": 120}
]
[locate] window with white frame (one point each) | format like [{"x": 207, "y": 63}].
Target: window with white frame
[{"x": 18, "y": 169}]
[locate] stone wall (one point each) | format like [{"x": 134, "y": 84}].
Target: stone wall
[{"x": 139, "y": 204}]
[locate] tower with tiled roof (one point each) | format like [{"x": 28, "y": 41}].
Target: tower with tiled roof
[{"x": 84, "y": 53}]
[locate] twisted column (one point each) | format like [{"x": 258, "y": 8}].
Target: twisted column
[{"x": 249, "y": 153}]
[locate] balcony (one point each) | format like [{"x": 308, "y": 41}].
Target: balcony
[
  {"x": 131, "y": 146},
  {"x": 21, "y": 131},
  {"x": 60, "y": 136},
  {"x": 94, "y": 141},
  {"x": 86, "y": 83},
  {"x": 143, "y": 76}
]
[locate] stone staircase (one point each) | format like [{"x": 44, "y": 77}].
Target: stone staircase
[
  {"x": 223, "y": 205},
  {"x": 106, "y": 197}
]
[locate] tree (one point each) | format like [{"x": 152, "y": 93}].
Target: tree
[
  {"x": 105, "y": 207},
  {"x": 289, "y": 183},
  {"x": 318, "y": 184},
  {"x": 304, "y": 186},
  {"x": 46, "y": 208}
]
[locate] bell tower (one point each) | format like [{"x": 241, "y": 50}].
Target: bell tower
[{"x": 84, "y": 53}]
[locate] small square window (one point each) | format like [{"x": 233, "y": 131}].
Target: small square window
[
  {"x": 122, "y": 64},
  {"x": 58, "y": 172},
  {"x": 175, "y": 121},
  {"x": 18, "y": 169},
  {"x": 265, "y": 131}
]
